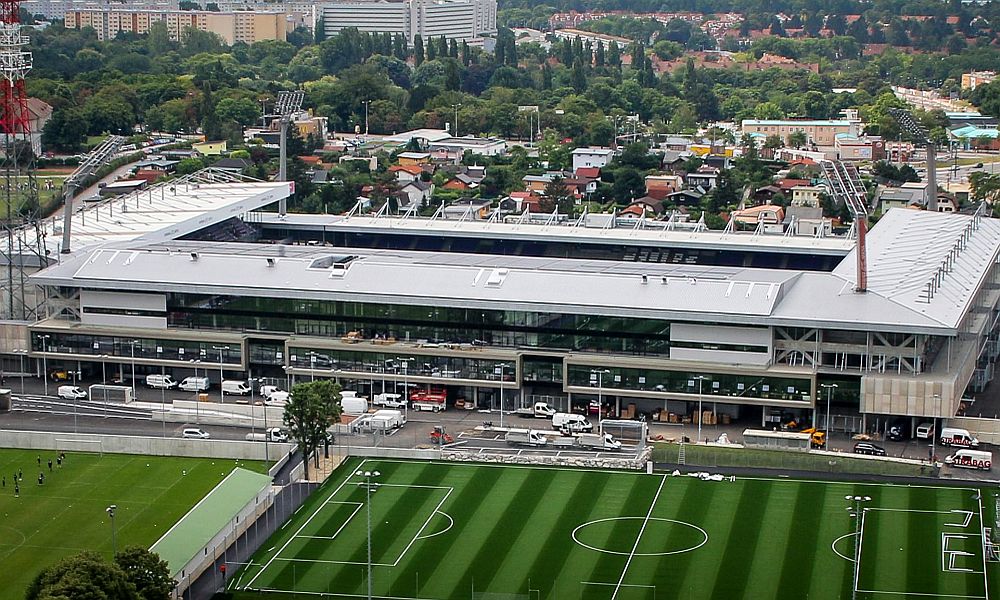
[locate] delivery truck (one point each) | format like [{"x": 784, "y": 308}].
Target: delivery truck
[{"x": 526, "y": 437}]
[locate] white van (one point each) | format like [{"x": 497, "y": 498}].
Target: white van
[
  {"x": 194, "y": 384},
  {"x": 925, "y": 431},
  {"x": 237, "y": 388},
  {"x": 389, "y": 400},
  {"x": 971, "y": 459},
  {"x": 953, "y": 436},
  {"x": 386, "y": 419},
  {"x": 195, "y": 433},
  {"x": 161, "y": 382},
  {"x": 71, "y": 392},
  {"x": 354, "y": 405},
  {"x": 571, "y": 422}
]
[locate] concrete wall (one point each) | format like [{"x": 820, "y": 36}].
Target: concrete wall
[
  {"x": 153, "y": 446},
  {"x": 213, "y": 413}
]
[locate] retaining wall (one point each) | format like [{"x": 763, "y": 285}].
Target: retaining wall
[
  {"x": 153, "y": 446},
  {"x": 602, "y": 461},
  {"x": 986, "y": 430}
]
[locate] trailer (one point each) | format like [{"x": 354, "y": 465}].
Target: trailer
[
  {"x": 433, "y": 399},
  {"x": 777, "y": 440},
  {"x": 119, "y": 394}
]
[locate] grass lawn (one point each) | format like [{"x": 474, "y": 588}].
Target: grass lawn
[
  {"x": 66, "y": 514},
  {"x": 458, "y": 531},
  {"x": 714, "y": 456}
]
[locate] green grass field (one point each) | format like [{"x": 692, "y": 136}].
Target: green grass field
[
  {"x": 67, "y": 515},
  {"x": 455, "y": 531}
]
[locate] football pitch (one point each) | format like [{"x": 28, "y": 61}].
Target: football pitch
[
  {"x": 444, "y": 531},
  {"x": 66, "y": 515}
]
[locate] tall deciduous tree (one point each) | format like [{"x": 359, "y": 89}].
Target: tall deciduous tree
[
  {"x": 85, "y": 576},
  {"x": 147, "y": 572},
  {"x": 309, "y": 412}
]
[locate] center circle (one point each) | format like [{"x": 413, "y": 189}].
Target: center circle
[{"x": 660, "y": 537}]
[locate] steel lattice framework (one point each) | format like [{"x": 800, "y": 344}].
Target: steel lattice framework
[{"x": 23, "y": 247}]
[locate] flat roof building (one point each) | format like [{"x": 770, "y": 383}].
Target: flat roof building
[
  {"x": 238, "y": 26},
  {"x": 820, "y": 132},
  {"x": 546, "y": 304},
  {"x": 468, "y": 20}
]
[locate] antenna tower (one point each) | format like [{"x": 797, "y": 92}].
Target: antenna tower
[{"x": 22, "y": 249}]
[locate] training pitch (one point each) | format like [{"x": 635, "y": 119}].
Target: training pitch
[
  {"x": 455, "y": 531},
  {"x": 66, "y": 515}
]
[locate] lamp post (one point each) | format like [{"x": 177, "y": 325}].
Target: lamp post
[
  {"x": 222, "y": 377},
  {"x": 114, "y": 534},
  {"x": 701, "y": 379},
  {"x": 132, "y": 344},
  {"x": 197, "y": 400},
  {"x": 829, "y": 387},
  {"x": 857, "y": 514},
  {"x": 600, "y": 383},
  {"x": 456, "y": 106},
  {"x": 369, "y": 475},
  {"x": 21, "y": 352},
  {"x": 366, "y": 103},
  {"x": 45, "y": 367},
  {"x": 312, "y": 366},
  {"x": 406, "y": 384}
]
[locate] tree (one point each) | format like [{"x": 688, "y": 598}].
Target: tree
[
  {"x": 242, "y": 111},
  {"x": 309, "y": 412},
  {"x": 557, "y": 196},
  {"x": 418, "y": 50},
  {"x": 798, "y": 138},
  {"x": 147, "y": 572},
  {"x": 85, "y": 576},
  {"x": 210, "y": 125},
  {"x": 985, "y": 188}
]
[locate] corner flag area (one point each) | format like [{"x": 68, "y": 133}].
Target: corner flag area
[{"x": 457, "y": 531}]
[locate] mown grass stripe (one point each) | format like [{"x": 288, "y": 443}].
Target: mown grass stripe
[
  {"x": 801, "y": 546},
  {"x": 746, "y": 534}
]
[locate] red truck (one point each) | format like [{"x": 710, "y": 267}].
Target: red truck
[{"x": 434, "y": 399}]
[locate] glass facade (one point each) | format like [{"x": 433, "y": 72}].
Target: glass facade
[
  {"x": 144, "y": 347},
  {"x": 714, "y": 384},
  {"x": 497, "y": 328},
  {"x": 397, "y": 364}
]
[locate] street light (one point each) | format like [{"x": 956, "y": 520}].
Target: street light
[
  {"x": 114, "y": 534},
  {"x": 456, "y": 106},
  {"x": 222, "y": 377},
  {"x": 366, "y": 103},
  {"x": 21, "y": 352},
  {"x": 132, "y": 344},
  {"x": 600, "y": 384},
  {"x": 499, "y": 370},
  {"x": 45, "y": 368},
  {"x": 701, "y": 379},
  {"x": 857, "y": 514},
  {"x": 197, "y": 400},
  {"x": 368, "y": 475},
  {"x": 829, "y": 387}
]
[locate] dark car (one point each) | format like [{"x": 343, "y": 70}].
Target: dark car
[
  {"x": 899, "y": 430},
  {"x": 870, "y": 449}
]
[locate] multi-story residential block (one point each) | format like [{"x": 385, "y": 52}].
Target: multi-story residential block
[
  {"x": 232, "y": 27},
  {"x": 822, "y": 133}
]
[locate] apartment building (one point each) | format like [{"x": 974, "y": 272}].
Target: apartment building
[
  {"x": 232, "y": 27},
  {"x": 57, "y": 9},
  {"x": 820, "y": 132}
]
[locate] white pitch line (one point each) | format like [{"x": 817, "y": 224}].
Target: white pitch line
[
  {"x": 297, "y": 532},
  {"x": 982, "y": 531},
  {"x": 424, "y": 526},
  {"x": 357, "y": 507},
  {"x": 638, "y": 538}
]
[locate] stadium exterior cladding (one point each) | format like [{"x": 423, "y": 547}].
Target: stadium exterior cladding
[{"x": 659, "y": 335}]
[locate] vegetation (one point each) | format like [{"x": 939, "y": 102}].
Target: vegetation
[
  {"x": 66, "y": 515},
  {"x": 135, "y": 574},
  {"x": 311, "y": 409}
]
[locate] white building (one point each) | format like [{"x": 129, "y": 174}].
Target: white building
[
  {"x": 591, "y": 157},
  {"x": 468, "y": 20}
]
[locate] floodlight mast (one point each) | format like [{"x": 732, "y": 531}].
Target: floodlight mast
[
  {"x": 285, "y": 107},
  {"x": 847, "y": 188},
  {"x": 100, "y": 156},
  {"x": 913, "y": 129}
]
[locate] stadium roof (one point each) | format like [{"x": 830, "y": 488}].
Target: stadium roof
[
  {"x": 165, "y": 211},
  {"x": 906, "y": 248},
  {"x": 480, "y": 229}
]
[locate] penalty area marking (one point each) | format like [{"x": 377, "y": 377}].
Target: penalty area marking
[
  {"x": 665, "y": 553},
  {"x": 833, "y": 546}
]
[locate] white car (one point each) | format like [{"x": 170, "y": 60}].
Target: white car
[
  {"x": 195, "y": 433},
  {"x": 278, "y": 398}
]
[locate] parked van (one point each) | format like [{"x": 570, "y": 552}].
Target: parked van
[
  {"x": 386, "y": 419},
  {"x": 971, "y": 459},
  {"x": 71, "y": 392},
  {"x": 925, "y": 431},
  {"x": 571, "y": 422},
  {"x": 389, "y": 400},
  {"x": 161, "y": 382},
  {"x": 953, "y": 436},
  {"x": 194, "y": 384},
  {"x": 354, "y": 405},
  {"x": 237, "y": 388},
  {"x": 195, "y": 433}
]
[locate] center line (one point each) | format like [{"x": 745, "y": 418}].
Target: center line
[{"x": 645, "y": 521}]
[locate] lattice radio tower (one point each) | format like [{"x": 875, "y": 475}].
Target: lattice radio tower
[{"x": 23, "y": 249}]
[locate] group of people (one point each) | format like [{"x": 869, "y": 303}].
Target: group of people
[{"x": 19, "y": 476}]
